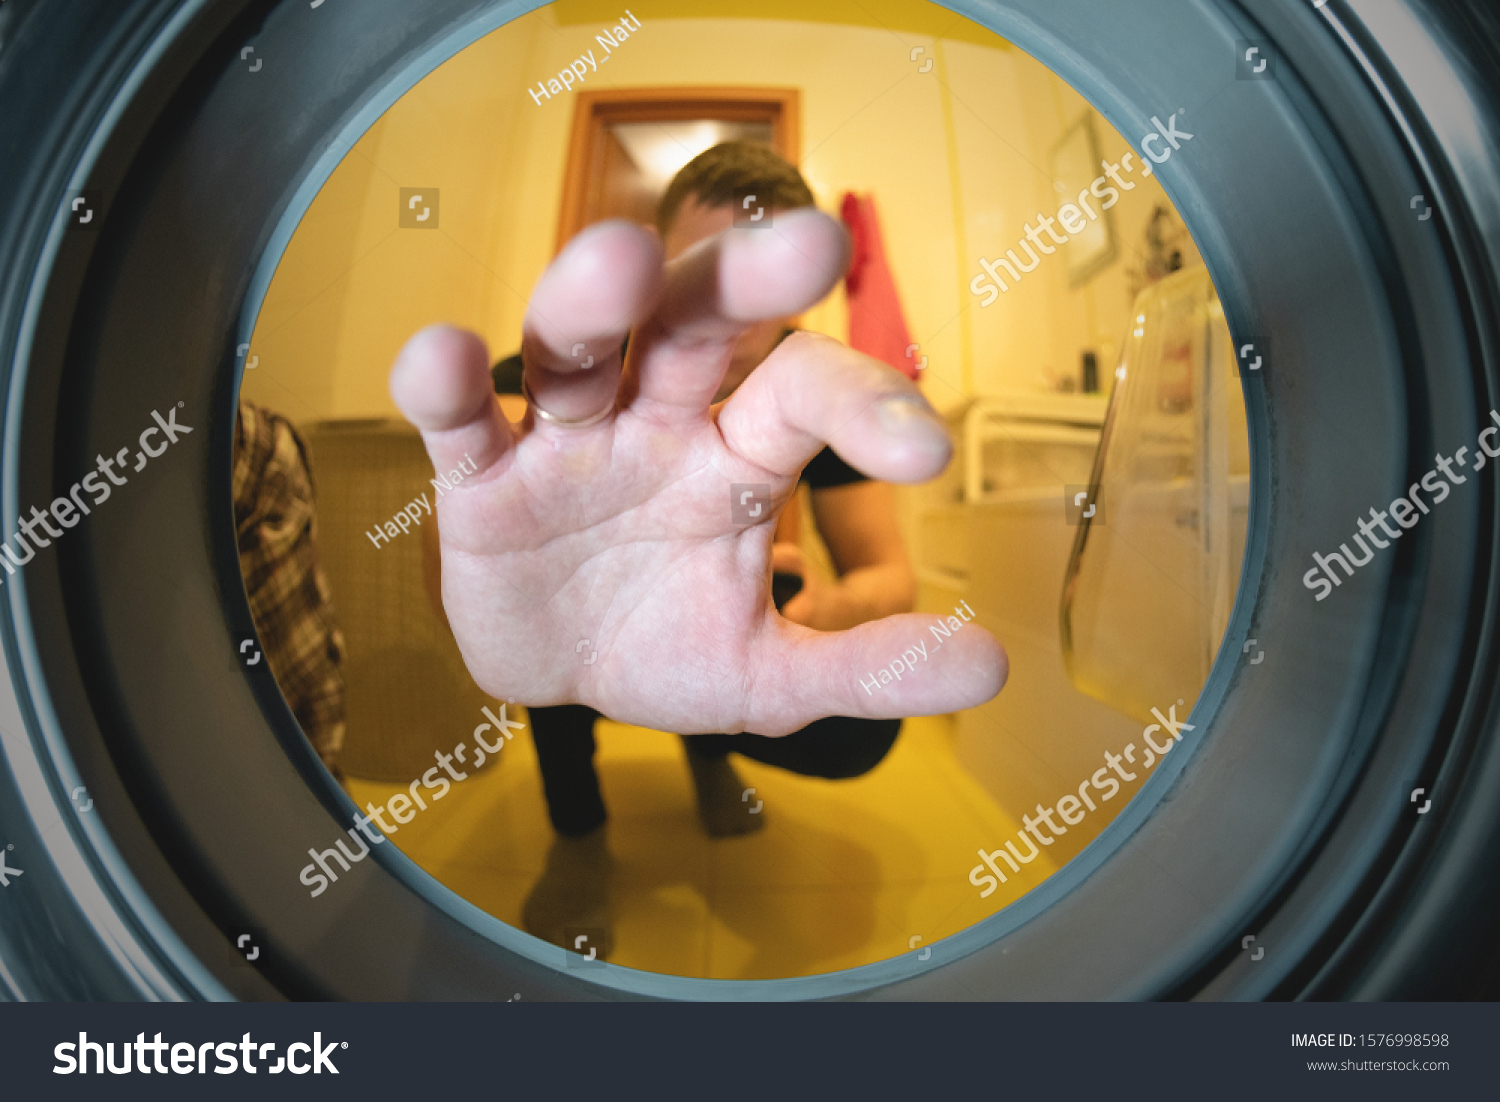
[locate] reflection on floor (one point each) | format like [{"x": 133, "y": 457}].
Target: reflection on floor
[{"x": 844, "y": 873}]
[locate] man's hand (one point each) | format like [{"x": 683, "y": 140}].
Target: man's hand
[
  {"x": 806, "y": 606},
  {"x": 621, "y": 533},
  {"x": 817, "y": 605}
]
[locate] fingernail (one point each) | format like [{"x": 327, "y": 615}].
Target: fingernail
[{"x": 911, "y": 416}]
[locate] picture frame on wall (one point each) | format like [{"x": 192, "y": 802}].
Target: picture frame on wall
[{"x": 1075, "y": 164}]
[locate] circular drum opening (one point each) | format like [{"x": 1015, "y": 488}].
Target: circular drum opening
[{"x": 843, "y": 873}]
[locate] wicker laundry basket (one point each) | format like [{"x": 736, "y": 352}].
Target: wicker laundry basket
[{"x": 408, "y": 694}]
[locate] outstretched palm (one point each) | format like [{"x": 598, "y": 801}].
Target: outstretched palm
[{"x": 613, "y": 564}]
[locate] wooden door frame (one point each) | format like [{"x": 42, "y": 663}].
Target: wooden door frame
[{"x": 781, "y": 107}]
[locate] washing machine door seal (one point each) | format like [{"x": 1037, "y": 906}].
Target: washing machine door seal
[{"x": 1284, "y": 818}]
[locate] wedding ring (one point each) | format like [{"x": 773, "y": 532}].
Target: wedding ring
[{"x": 564, "y": 422}]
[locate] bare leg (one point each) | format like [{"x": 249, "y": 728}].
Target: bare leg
[
  {"x": 572, "y": 894},
  {"x": 723, "y": 806}
]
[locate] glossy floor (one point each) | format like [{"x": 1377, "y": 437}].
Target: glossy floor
[{"x": 844, "y": 873}]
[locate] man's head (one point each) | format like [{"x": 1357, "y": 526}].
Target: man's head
[{"x": 699, "y": 202}]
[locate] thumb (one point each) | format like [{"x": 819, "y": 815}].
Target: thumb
[
  {"x": 786, "y": 558},
  {"x": 913, "y": 664}
]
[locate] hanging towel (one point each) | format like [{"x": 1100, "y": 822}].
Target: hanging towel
[{"x": 876, "y": 325}]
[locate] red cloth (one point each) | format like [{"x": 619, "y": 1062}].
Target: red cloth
[{"x": 876, "y": 325}]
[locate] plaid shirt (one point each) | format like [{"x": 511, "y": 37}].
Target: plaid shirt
[{"x": 277, "y": 531}]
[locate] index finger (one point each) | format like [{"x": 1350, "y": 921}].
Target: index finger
[
  {"x": 605, "y": 280},
  {"x": 719, "y": 288}
]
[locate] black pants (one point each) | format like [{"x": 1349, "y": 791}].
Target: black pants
[{"x": 835, "y": 748}]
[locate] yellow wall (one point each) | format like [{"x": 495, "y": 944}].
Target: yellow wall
[
  {"x": 1038, "y": 329},
  {"x": 957, "y": 159}
]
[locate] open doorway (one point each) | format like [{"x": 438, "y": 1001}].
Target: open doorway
[{"x": 627, "y": 144}]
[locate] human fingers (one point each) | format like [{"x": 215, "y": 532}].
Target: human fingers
[
  {"x": 786, "y": 558},
  {"x": 813, "y": 391},
  {"x": 718, "y": 289},
  {"x": 605, "y": 280},
  {"x": 441, "y": 382},
  {"x": 900, "y": 666}
]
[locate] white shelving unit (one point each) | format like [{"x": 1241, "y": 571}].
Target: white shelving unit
[{"x": 1009, "y": 448}]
